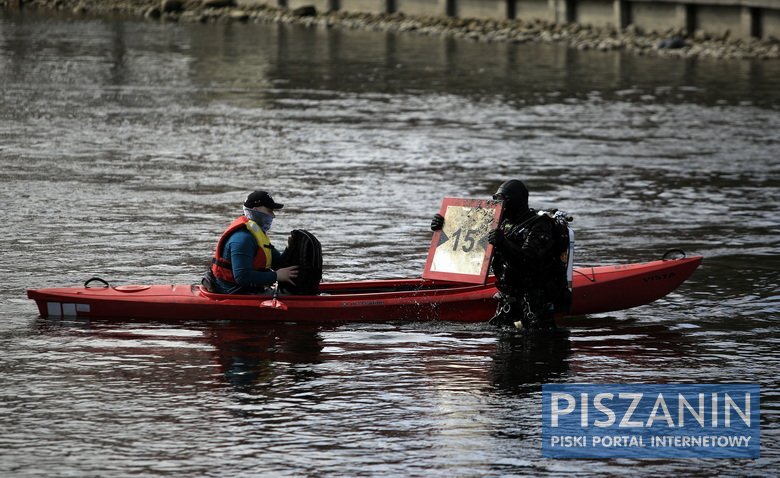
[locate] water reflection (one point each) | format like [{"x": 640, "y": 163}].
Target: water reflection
[
  {"x": 524, "y": 363},
  {"x": 521, "y": 74},
  {"x": 250, "y": 356},
  {"x": 244, "y": 64},
  {"x": 268, "y": 360}
]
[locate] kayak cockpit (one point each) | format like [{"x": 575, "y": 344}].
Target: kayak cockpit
[{"x": 356, "y": 288}]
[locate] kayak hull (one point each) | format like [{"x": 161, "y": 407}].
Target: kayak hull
[{"x": 595, "y": 290}]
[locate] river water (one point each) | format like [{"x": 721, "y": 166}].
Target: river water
[{"x": 127, "y": 146}]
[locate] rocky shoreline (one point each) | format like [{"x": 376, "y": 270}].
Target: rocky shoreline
[{"x": 672, "y": 43}]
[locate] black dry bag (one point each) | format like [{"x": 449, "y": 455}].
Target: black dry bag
[{"x": 305, "y": 252}]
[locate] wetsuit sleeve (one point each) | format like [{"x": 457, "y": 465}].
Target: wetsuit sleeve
[{"x": 242, "y": 254}]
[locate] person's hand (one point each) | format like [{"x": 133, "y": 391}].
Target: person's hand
[
  {"x": 289, "y": 241},
  {"x": 496, "y": 237},
  {"x": 437, "y": 222},
  {"x": 287, "y": 274}
]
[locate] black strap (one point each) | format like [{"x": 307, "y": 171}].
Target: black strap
[
  {"x": 95, "y": 279},
  {"x": 518, "y": 228},
  {"x": 673, "y": 251}
]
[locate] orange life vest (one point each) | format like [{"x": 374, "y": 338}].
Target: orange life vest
[{"x": 222, "y": 268}]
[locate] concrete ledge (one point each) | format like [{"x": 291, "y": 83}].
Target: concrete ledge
[
  {"x": 770, "y": 23},
  {"x": 529, "y": 9},
  {"x": 320, "y": 5},
  {"x": 773, "y": 4},
  {"x": 658, "y": 17},
  {"x": 485, "y": 9},
  {"x": 735, "y": 18},
  {"x": 596, "y": 12},
  {"x": 723, "y": 20},
  {"x": 718, "y": 18},
  {"x": 366, "y": 6},
  {"x": 436, "y": 8}
]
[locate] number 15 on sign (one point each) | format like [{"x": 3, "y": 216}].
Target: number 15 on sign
[{"x": 460, "y": 251}]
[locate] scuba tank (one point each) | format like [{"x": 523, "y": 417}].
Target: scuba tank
[{"x": 563, "y": 236}]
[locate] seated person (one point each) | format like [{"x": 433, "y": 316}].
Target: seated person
[{"x": 244, "y": 260}]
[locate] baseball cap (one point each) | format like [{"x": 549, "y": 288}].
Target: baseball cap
[{"x": 261, "y": 198}]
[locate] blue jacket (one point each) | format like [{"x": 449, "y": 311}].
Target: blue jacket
[{"x": 241, "y": 248}]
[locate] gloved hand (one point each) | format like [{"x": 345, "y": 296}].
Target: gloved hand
[
  {"x": 496, "y": 237},
  {"x": 437, "y": 222},
  {"x": 287, "y": 274}
]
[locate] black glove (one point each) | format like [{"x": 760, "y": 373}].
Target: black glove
[
  {"x": 496, "y": 237},
  {"x": 437, "y": 222}
]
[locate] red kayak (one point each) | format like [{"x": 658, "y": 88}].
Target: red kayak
[{"x": 595, "y": 289}]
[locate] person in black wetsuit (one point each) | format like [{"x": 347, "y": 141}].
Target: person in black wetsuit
[{"x": 528, "y": 273}]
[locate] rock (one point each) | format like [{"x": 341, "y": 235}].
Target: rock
[
  {"x": 153, "y": 13},
  {"x": 305, "y": 11},
  {"x": 238, "y": 15},
  {"x": 407, "y": 27},
  {"x": 671, "y": 43},
  {"x": 218, "y": 3},
  {"x": 171, "y": 6},
  {"x": 633, "y": 30}
]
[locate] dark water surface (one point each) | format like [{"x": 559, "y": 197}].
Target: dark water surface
[{"x": 126, "y": 147}]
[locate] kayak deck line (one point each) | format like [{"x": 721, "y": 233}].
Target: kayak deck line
[{"x": 596, "y": 289}]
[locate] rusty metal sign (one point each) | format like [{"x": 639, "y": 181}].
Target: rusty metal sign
[{"x": 460, "y": 251}]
